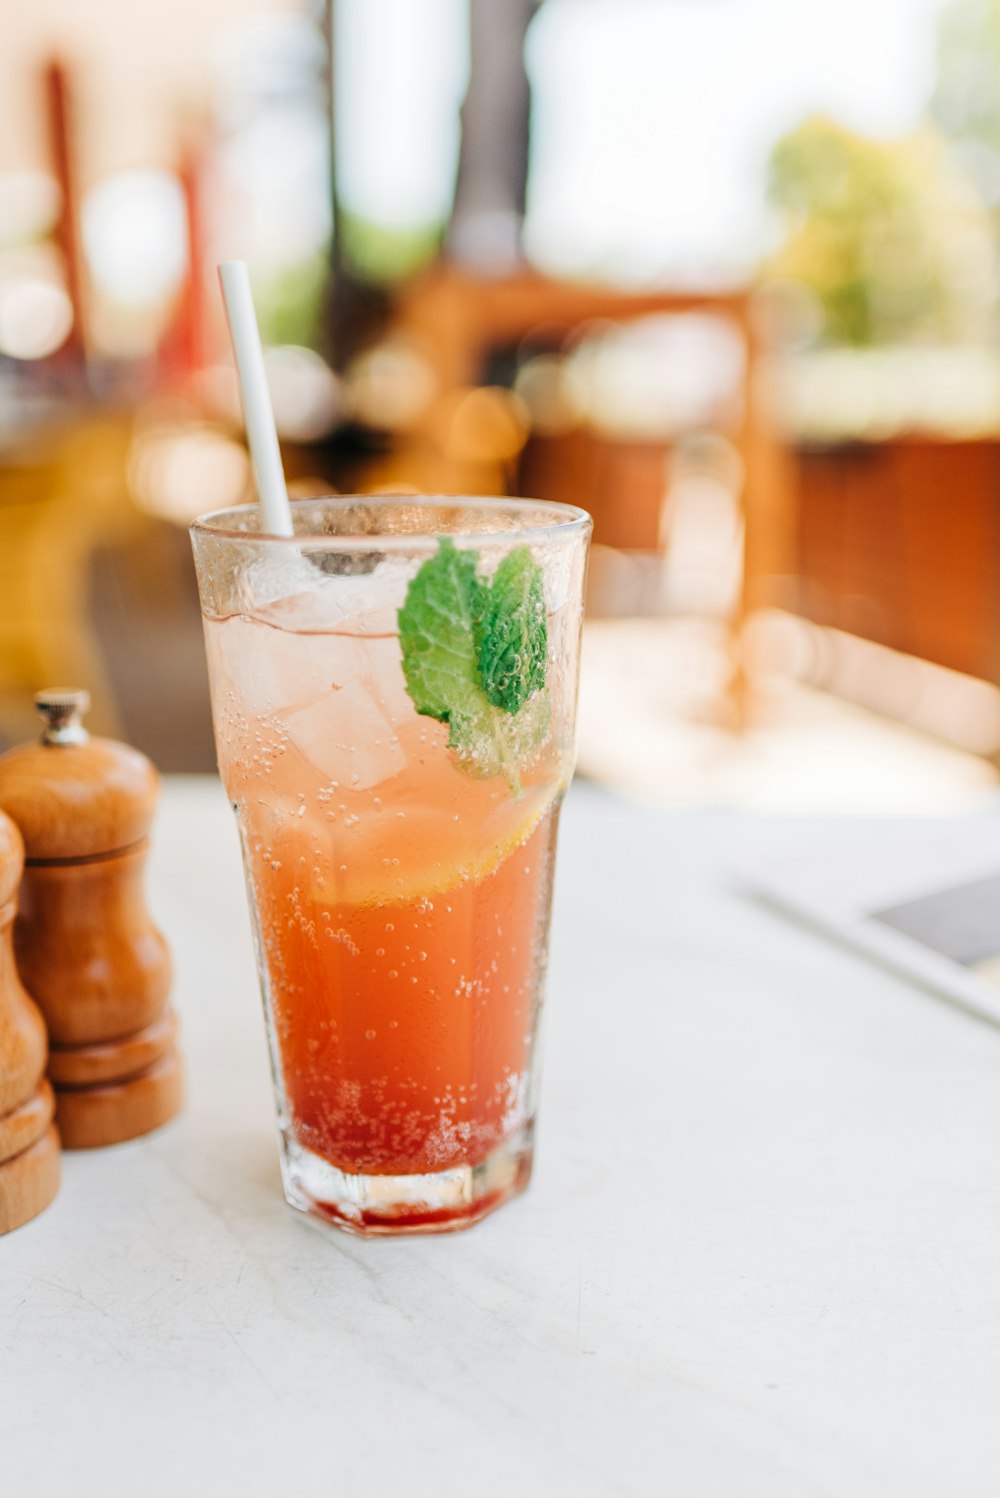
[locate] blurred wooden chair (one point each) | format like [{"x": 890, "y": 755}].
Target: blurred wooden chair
[{"x": 457, "y": 320}]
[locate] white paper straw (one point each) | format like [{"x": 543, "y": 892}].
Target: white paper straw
[{"x": 258, "y": 415}]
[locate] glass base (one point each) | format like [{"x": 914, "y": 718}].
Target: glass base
[{"x": 390, "y": 1206}]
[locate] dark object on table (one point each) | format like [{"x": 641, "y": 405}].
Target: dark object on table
[
  {"x": 86, "y": 946},
  {"x": 29, "y": 1143}
]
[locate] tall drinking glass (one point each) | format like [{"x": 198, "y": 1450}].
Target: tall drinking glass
[{"x": 394, "y": 695}]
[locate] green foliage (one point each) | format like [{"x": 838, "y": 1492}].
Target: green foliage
[
  {"x": 290, "y": 304},
  {"x": 879, "y": 231},
  {"x": 474, "y": 656},
  {"x": 378, "y": 253},
  {"x": 513, "y": 632},
  {"x": 437, "y": 630}
]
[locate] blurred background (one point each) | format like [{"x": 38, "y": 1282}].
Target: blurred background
[{"x": 725, "y": 272}]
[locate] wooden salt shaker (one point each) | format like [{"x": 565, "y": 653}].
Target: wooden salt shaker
[
  {"x": 29, "y": 1144},
  {"x": 86, "y": 947}
]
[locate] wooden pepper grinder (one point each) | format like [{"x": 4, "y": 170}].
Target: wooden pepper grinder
[
  {"x": 86, "y": 947},
  {"x": 29, "y": 1144}
]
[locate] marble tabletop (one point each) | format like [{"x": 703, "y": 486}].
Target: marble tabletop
[{"x": 761, "y": 1254}]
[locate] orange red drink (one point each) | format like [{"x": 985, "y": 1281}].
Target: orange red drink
[{"x": 393, "y": 696}]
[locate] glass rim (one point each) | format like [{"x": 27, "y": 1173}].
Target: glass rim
[{"x": 565, "y": 520}]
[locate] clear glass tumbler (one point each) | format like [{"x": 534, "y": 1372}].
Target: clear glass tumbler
[{"x": 394, "y": 694}]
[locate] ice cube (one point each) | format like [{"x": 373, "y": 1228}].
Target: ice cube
[
  {"x": 296, "y": 594},
  {"x": 273, "y": 671},
  {"x": 347, "y": 737},
  {"x": 281, "y": 573},
  {"x": 336, "y": 698},
  {"x": 321, "y": 667}
]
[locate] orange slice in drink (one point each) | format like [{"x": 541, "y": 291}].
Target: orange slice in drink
[{"x": 430, "y": 852}]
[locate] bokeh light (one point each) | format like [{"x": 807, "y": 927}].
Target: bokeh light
[
  {"x": 135, "y": 236},
  {"x": 36, "y": 315},
  {"x": 487, "y": 425},
  {"x": 305, "y": 393},
  {"x": 390, "y": 386},
  {"x": 178, "y": 470}
]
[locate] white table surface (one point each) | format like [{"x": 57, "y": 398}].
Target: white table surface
[{"x": 761, "y": 1254}]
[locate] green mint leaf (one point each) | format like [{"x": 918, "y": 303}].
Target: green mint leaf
[
  {"x": 457, "y": 633},
  {"x": 513, "y": 632},
  {"x": 437, "y": 624}
]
